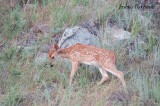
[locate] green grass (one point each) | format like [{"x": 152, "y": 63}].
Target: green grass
[{"x": 22, "y": 82}]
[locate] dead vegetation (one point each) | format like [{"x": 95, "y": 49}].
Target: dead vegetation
[{"x": 26, "y": 26}]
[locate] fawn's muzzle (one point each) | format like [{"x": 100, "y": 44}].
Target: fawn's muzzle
[{"x": 51, "y": 63}]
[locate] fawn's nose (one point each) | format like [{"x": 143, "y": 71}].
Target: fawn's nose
[{"x": 51, "y": 65}]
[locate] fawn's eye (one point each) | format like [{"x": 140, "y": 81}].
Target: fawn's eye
[{"x": 52, "y": 57}]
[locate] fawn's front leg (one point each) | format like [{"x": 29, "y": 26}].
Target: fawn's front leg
[
  {"x": 74, "y": 68},
  {"x": 78, "y": 69}
]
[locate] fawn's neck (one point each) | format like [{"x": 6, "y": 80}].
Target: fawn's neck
[{"x": 64, "y": 52}]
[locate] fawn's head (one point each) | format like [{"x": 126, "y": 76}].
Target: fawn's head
[{"x": 53, "y": 54}]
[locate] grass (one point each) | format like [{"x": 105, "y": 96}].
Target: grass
[{"x": 22, "y": 82}]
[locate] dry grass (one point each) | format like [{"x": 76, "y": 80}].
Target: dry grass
[{"x": 22, "y": 82}]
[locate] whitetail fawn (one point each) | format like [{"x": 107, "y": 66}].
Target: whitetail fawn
[{"x": 105, "y": 60}]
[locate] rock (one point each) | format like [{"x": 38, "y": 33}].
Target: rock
[
  {"x": 82, "y": 36},
  {"x": 117, "y": 33},
  {"x": 86, "y": 33},
  {"x": 79, "y": 36},
  {"x": 69, "y": 32},
  {"x": 114, "y": 35}
]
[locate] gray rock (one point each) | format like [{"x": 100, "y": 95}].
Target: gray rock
[
  {"x": 117, "y": 33},
  {"x": 86, "y": 33},
  {"x": 69, "y": 32},
  {"x": 114, "y": 35},
  {"x": 81, "y": 35}
]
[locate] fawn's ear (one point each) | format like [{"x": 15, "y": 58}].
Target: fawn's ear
[
  {"x": 56, "y": 47},
  {"x": 49, "y": 46}
]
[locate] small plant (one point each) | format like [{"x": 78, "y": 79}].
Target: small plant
[
  {"x": 9, "y": 53},
  {"x": 135, "y": 28},
  {"x": 146, "y": 84},
  {"x": 13, "y": 97},
  {"x": 14, "y": 23}
]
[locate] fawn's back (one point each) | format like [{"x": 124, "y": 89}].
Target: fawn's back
[{"x": 89, "y": 54}]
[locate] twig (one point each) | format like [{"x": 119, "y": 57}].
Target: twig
[
  {"x": 12, "y": 6},
  {"x": 26, "y": 5},
  {"x": 28, "y": 1},
  {"x": 14, "y": 24}
]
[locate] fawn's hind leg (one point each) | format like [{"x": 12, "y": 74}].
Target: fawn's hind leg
[
  {"x": 104, "y": 76},
  {"x": 112, "y": 69}
]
